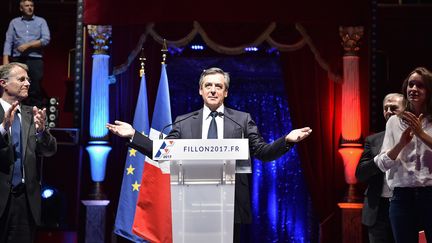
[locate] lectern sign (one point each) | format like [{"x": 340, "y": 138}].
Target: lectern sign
[
  {"x": 199, "y": 149},
  {"x": 202, "y": 175}
]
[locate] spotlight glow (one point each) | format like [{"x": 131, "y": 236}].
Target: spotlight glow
[{"x": 47, "y": 193}]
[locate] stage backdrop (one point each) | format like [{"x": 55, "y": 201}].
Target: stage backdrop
[
  {"x": 313, "y": 96},
  {"x": 281, "y": 204}
]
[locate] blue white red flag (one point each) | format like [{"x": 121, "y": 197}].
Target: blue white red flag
[{"x": 153, "y": 219}]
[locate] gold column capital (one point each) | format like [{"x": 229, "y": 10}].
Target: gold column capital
[
  {"x": 101, "y": 35},
  {"x": 351, "y": 36}
]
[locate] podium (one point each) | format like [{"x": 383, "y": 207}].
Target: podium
[{"x": 203, "y": 186}]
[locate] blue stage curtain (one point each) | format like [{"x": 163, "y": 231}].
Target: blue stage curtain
[{"x": 281, "y": 204}]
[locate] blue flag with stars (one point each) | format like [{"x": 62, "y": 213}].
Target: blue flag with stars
[{"x": 133, "y": 172}]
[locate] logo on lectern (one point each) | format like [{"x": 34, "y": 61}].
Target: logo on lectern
[{"x": 164, "y": 150}]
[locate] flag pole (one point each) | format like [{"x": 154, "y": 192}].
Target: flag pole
[
  {"x": 134, "y": 167},
  {"x": 142, "y": 60},
  {"x": 153, "y": 219},
  {"x": 164, "y": 51}
]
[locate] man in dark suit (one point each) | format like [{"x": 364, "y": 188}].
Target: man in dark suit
[
  {"x": 208, "y": 123},
  {"x": 23, "y": 137},
  {"x": 375, "y": 212}
]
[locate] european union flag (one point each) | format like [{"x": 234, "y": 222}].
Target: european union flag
[{"x": 133, "y": 172}]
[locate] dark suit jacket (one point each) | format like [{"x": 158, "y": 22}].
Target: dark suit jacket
[
  {"x": 367, "y": 171},
  {"x": 191, "y": 128},
  {"x": 32, "y": 146}
]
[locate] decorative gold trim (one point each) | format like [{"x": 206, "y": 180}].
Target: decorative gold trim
[
  {"x": 305, "y": 40},
  {"x": 351, "y": 36},
  {"x": 101, "y": 35}
]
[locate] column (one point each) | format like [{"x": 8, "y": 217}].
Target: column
[
  {"x": 98, "y": 146},
  {"x": 351, "y": 145}
]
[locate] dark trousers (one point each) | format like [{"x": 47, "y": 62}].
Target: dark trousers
[
  {"x": 411, "y": 211},
  {"x": 381, "y": 231},
  {"x": 16, "y": 223},
  {"x": 35, "y": 73},
  {"x": 237, "y": 233}
]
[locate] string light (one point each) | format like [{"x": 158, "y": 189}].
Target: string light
[
  {"x": 197, "y": 47},
  {"x": 251, "y": 49}
]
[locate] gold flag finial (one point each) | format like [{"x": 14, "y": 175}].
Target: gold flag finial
[
  {"x": 164, "y": 51},
  {"x": 142, "y": 60}
]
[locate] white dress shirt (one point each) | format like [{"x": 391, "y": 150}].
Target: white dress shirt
[
  {"x": 6, "y": 107},
  {"x": 413, "y": 165}
]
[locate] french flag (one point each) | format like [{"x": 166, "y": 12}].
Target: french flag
[{"x": 153, "y": 220}]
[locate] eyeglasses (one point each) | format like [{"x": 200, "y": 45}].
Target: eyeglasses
[{"x": 21, "y": 79}]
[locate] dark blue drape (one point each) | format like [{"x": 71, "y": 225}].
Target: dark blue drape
[{"x": 281, "y": 203}]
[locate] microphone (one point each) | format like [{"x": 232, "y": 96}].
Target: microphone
[
  {"x": 242, "y": 166},
  {"x": 221, "y": 114},
  {"x": 165, "y": 127}
]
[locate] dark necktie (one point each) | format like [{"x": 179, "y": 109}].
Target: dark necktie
[
  {"x": 212, "y": 132},
  {"x": 16, "y": 142}
]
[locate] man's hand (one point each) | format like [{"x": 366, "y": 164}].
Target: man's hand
[
  {"x": 297, "y": 135},
  {"x": 5, "y": 59},
  {"x": 121, "y": 129},
  {"x": 22, "y": 48},
  {"x": 39, "y": 118},
  {"x": 10, "y": 115},
  {"x": 32, "y": 44}
]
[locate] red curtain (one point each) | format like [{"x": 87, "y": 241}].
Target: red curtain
[
  {"x": 116, "y": 12},
  {"x": 314, "y": 101}
]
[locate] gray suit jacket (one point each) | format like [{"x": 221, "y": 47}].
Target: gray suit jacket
[
  {"x": 191, "y": 128},
  {"x": 33, "y": 146},
  {"x": 367, "y": 171}
]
